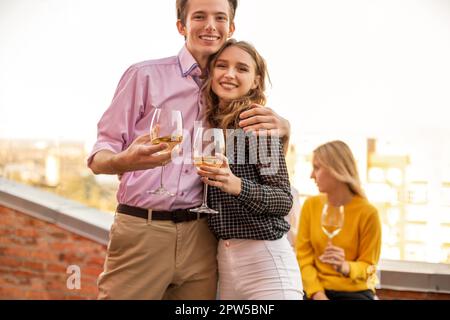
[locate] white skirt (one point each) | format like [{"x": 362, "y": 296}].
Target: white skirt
[{"x": 258, "y": 270}]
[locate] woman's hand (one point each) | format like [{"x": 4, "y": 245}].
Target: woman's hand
[
  {"x": 221, "y": 178},
  {"x": 336, "y": 257}
]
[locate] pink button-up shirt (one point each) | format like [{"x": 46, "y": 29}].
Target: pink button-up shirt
[{"x": 168, "y": 83}]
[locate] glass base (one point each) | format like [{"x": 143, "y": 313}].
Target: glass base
[
  {"x": 204, "y": 209},
  {"x": 162, "y": 192}
]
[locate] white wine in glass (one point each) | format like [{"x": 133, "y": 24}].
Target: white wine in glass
[
  {"x": 172, "y": 142},
  {"x": 332, "y": 220},
  {"x": 166, "y": 127},
  {"x": 207, "y": 161},
  {"x": 207, "y": 143}
]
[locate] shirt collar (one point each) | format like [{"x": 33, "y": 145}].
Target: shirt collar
[{"x": 188, "y": 64}]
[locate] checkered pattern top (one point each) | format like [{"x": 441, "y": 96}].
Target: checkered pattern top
[{"x": 257, "y": 213}]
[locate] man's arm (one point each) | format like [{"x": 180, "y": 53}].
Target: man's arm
[
  {"x": 140, "y": 155},
  {"x": 264, "y": 118}
]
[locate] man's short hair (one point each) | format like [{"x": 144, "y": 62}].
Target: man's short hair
[{"x": 183, "y": 4}]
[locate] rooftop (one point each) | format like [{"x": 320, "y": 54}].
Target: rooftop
[
  {"x": 94, "y": 224},
  {"x": 70, "y": 215}
]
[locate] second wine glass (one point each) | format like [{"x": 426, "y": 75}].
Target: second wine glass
[
  {"x": 207, "y": 144},
  {"x": 166, "y": 127}
]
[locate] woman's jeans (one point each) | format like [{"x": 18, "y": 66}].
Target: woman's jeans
[{"x": 258, "y": 270}]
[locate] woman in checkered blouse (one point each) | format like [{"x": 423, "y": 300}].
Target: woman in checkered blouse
[{"x": 251, "y": 190}]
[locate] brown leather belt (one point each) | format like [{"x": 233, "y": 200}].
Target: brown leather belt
[{"x": 176, "y": 216}]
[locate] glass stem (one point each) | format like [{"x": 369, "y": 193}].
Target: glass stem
[
  {"x": 161, "y": 178},
  {"x": 205, "y": 195}
]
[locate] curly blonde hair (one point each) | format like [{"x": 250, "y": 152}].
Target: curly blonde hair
[{"x": 227, "y": 117}]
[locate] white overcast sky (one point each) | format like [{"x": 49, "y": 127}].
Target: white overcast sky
[{"x": 359, "y": 65}]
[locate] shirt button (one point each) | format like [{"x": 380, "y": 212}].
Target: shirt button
[
  {"x": 186, "y": 171},
  {"x": 182, "y": 194}
]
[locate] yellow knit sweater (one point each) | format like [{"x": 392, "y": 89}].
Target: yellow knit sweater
[{"x": 360, "y": 238}]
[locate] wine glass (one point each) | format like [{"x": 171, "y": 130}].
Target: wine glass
[
  {"x": 166, "y": 127},
  {"x": 332, "y": 220},
  {"x": 207, "y": 144}
]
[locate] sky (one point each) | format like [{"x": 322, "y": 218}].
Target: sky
[{"x": 337, "y": 66}]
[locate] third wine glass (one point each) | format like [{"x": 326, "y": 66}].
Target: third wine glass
[{"x": 332, "y": 220}]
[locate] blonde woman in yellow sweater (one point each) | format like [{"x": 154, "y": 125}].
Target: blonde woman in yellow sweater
[{"x": 345, "y": 267}]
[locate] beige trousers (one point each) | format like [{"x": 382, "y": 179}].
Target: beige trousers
[{"x": 155, "y": 260}]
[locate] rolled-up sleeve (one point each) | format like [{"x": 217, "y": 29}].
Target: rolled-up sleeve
[{"x": 115, "y": 130}]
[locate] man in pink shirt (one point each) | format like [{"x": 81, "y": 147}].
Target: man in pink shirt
[{"x": 157, "y": 248}]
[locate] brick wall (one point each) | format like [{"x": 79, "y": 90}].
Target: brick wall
[
  {"x": 35, "y": 256},
  {"x": 386, "y": 294}
]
